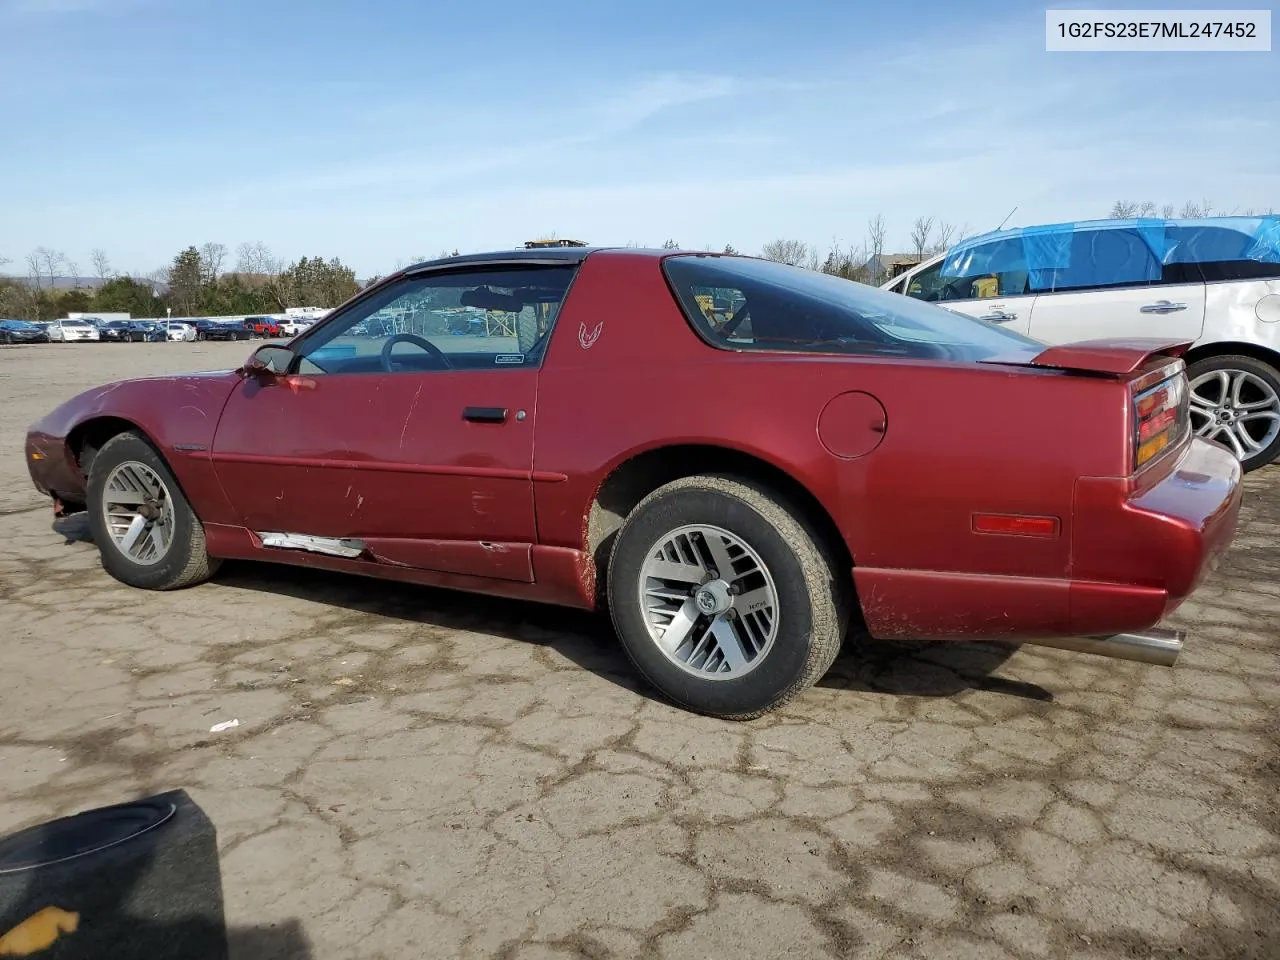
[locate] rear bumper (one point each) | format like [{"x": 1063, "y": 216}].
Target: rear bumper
[
  {"x": 1168, "y": 536},
  {"x": 1136, "y": 554}
]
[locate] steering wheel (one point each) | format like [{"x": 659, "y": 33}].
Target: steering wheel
[{"x": 417, "y": 341}]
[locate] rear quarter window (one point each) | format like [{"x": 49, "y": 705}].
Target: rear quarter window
[{"x": 740, "y": 303}]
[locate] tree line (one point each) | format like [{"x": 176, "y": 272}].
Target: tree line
[
  {"x": 865, "y": 260},
  {"x": 1190, "y": 210},
  {"x": 202, "y": 281}
]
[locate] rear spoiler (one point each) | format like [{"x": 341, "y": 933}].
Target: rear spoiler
[{"x": 1118, "y": 357}]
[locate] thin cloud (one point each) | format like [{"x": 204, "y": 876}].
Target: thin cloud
[{"x": 605, "y": 119}]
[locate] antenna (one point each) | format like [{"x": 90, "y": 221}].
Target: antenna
[{"x": 1006, "y": 219}]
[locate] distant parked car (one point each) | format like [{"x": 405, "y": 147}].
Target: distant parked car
[
  {"x": 180, "y": 331},
  {"x": 221, "y": 330},
  {"x": 262, "y": 326},
  {"x": 68, "y": 331},
  {"x": 1213, "y": 283},
  {"x": 145, "y": 331},
  {"x": 22, "y": 331},
  {"x": 116, "y": 331},
  {"x": 292, "y": 326}
]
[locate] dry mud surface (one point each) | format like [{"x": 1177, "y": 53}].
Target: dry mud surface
[{"x": 424, "y": 774}]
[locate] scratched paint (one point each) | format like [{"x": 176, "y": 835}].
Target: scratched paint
[{"x": 413, "y": 405}]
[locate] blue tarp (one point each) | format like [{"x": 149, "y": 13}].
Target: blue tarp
[{"x": 1098, "y": 252}]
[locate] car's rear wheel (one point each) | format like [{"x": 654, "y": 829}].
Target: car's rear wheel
[
  {"x": 724, "y": 598},
  {"x": 1235, "y": 401},
  {"x": 146, "y": 531}
]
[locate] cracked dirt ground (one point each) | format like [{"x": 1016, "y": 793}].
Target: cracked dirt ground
[{"x": 425, "y": 774}]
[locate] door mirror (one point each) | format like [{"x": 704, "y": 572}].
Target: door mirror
[{"x": 271, "y": 360}]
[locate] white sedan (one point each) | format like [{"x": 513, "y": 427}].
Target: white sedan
[
  {"x": 69, "y": 331},
  {"x": 185, "y": 332}
]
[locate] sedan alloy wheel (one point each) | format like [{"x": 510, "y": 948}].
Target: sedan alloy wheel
[{"x": 1239, "y": 408}]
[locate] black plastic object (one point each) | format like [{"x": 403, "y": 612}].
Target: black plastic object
[
  {"x": 127, "y": 882},
  {"x": 485, "y": 414}
]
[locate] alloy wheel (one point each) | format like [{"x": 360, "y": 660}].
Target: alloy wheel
[
  {"x": 1237, "y": 409},
  {"x": 138, "y": 511},
  {"x": 709, "y": 602}
]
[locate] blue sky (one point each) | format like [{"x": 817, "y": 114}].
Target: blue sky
[{"x": 383, "y": 129}]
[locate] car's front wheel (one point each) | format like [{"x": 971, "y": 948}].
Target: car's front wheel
[
  {"x": 145, "y": 529},
  {"x": 724, "y": 597},
  {"x": 1235, "y": 401}
]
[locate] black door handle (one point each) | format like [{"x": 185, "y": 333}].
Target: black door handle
[{"x": 485, "y": 414}]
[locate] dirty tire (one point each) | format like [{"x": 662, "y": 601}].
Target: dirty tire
[
  {"x": 187, "y": 561},
  {"x": 815, "y": 595}
]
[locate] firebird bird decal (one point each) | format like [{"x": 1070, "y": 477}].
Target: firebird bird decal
[{"x": 588, "y": 340}]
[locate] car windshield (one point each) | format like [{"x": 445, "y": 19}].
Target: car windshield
[
  {"x": 74, "y": 323},
  {"x": 742, "y": 303}
]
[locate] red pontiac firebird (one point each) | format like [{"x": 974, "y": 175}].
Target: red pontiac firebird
[{"x": 741, "y": 460}]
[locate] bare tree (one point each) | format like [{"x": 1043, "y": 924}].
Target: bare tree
[
  {"x": 794, "y": 252},
  {"x": 875, "y": 246},
  {"x": 255, "y": 259},
  {"x": 921, "y": 231},
  {"x": 418, "y": 258},
  {"x": 943, "y": 239},
  {"x": 33, "y": 270},
  {"x": 212, "y": 256},
  {"x": 101, "y": 264},
  {"x": 159, "y": 279},
  {"x": 1125, "y": 209},
  {"x": 53, "y": 262},
  {"x": 45, "y": 266}
]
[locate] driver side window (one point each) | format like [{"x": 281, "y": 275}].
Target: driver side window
[
  {"x": 995, "y": 269},
  {"x": 490, "y": 319}
]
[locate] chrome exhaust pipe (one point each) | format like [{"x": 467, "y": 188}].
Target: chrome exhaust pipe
[{"x": 1158, "y": 646}]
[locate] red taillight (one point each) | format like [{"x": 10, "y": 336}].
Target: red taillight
[
  {"x": 1156, "y": 423},
  {"x": 1161, "y": 416},
  {"x": 1015, "y": 525}
]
